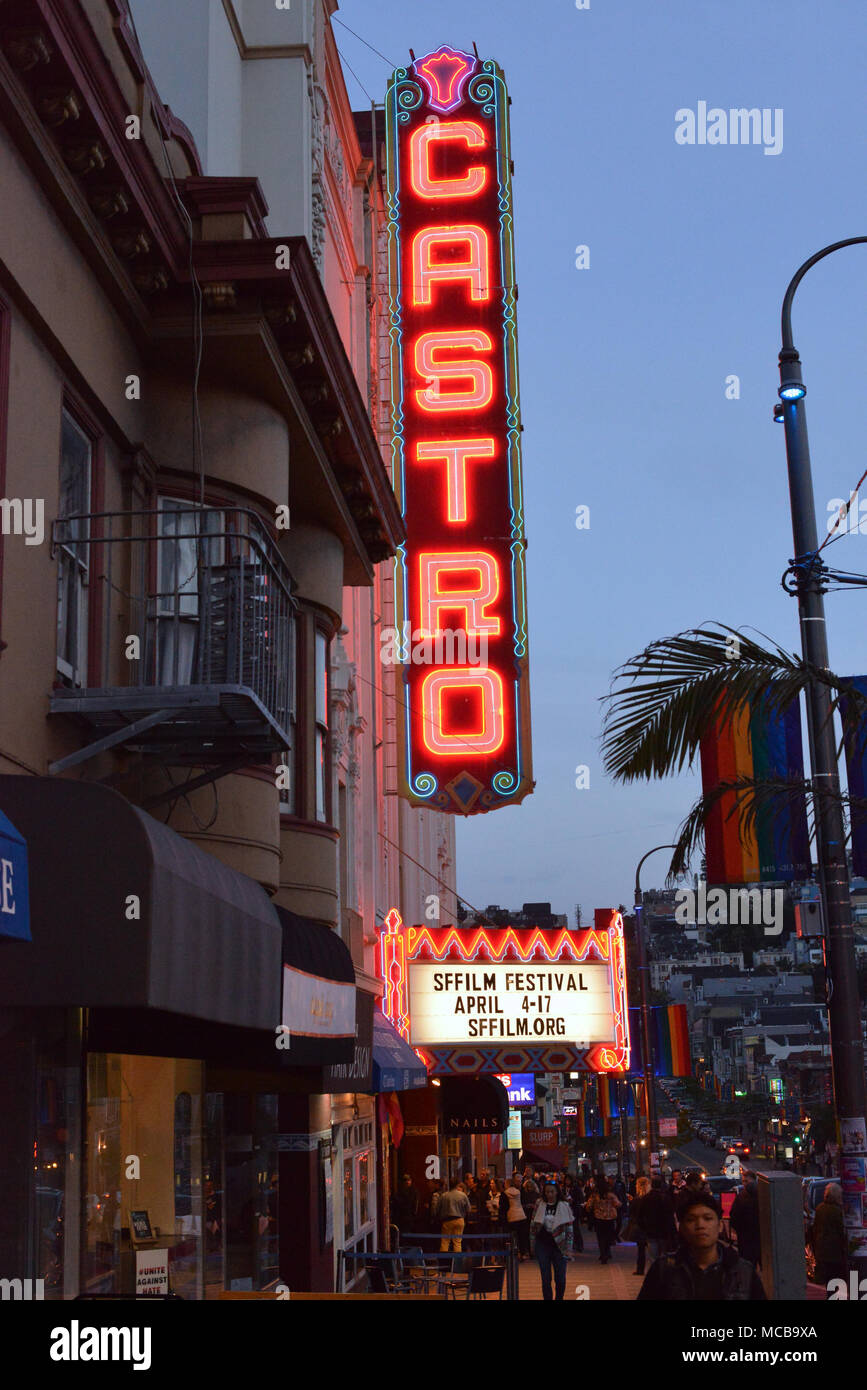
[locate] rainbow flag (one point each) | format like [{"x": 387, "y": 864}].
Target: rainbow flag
[
  {"x": 669, "y": 1041},
  {"x": 855, "y": 740},
  {"x": 603, "y": 1086},
  {"x": 757, "y": 742}
]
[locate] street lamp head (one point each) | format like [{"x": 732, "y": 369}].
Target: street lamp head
[
  {"x": 792, "y": 391},
  {"x": 779, "y": 413}
]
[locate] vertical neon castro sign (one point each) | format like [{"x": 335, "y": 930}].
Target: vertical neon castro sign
[{"x": 460, "y": 596}]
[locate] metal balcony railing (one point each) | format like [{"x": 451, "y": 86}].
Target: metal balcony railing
[{"x": 192, "y": 612}]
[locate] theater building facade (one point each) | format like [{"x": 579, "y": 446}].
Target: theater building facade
[{"x": 196, "y": 735}]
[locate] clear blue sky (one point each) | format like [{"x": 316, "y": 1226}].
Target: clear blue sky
[{"x": 623, "y": 365}]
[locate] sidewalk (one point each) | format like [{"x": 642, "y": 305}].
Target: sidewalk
[{"x": 614, "y": 1282}]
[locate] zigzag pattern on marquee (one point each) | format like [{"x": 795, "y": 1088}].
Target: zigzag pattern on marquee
[
  {"x": 466, "y": 1061},
  {"x": 504, "y": 943}
]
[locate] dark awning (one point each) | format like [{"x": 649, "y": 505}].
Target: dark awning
[
  {"x": 395, "y": 1064},
  {"x": 127, "y": 914},
  {"x": 315, "y": 1000},
  {"x": 473, "y": 1105},
  {"x": 318, "y": 997}
]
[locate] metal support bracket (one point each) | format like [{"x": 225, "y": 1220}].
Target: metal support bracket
[
  {"x": 212, "y": 775},
  {"x": 110, "y": 741}
]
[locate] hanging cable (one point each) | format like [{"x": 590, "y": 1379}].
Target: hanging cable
[
  {"x": 335, "y": 20},
  {"x": 357, "y": 78}
]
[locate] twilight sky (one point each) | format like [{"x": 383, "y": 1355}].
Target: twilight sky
[{"x": 624, "y": 364}]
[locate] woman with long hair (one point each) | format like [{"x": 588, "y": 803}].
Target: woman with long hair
[
  {"x": 635, "y": 1230},
  {"x": 603, "y": 1208},
  {"x": 552, "y": 1227}
]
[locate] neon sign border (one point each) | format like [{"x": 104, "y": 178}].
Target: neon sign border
[
  {"x": 400, "y": 946},
  {"x": 487, "y": 88}
]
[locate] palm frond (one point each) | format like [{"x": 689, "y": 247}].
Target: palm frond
[{"x": 665, "y": 699}]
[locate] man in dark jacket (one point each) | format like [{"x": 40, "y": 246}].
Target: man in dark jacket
[
  {"x": 404, "y": 1205},
  {"x": 657, "y": 1218},
  {"x": 828, "y": 1236},
  {"x": 701, "y": 1269}
]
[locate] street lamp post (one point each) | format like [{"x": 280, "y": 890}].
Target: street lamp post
[
  {"x": 644, "y": 1002},
  {"x": 844, "y": 1013}
]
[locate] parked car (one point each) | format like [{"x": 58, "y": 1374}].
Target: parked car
[{"x": 721, "y": 1182}]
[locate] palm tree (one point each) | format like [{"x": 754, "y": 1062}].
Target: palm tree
[{"x": 664, "y": 700}]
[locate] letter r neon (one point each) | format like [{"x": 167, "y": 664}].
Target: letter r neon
[{"x": 469, "y": 599}]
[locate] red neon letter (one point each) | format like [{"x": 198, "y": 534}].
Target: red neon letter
[
  {"x": 487, "y": 738},
  {"x": 479, "y": 374},
  {"x": 421, "y": 178},
  {"x": 474, "y": 268},
  {"x": 455, "y": 453},
  {"x": 472, "y": 601}
]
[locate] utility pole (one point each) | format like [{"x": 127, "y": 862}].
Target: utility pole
[
  {"x": 844, "y": 1012},
  {"x": 644, "y": 1002}
]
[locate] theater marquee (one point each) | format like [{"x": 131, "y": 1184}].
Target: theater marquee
[
  {"x": 492, "y": 1000},
  {"x": 456, "y": 437}
]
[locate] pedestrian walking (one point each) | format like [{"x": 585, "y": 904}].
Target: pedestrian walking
[
  {"x": 530, "y": 1192},
  {"x": 744, "y": 1220},
  {"x": 479, "y": 1201},
  {"x": 657, "y": 1219},
  {"x": 574, "y": 1195},
  {"x": 636, "y": 1230},
  {"x": 619, "y": 1189},
  {"x": 551, "y": 1227},
  {"x": 828, "y": 1236},
  {"x": 497, "y": 1205},
  {"x": 603, "y": 1208},
  {"x": 701, "y": 1269},
  {"x": 454, "y": 1210},
  {"x": 405, "y": 1205},
  {"x": 517, "y": 1221}
]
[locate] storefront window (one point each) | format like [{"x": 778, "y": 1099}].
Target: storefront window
[
  {"x": 144, "y": 1172},
  {"x": 353, "y": 1149}
]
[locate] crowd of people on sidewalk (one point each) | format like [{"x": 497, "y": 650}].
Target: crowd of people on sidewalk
[{"x": 694, "y": 1254}]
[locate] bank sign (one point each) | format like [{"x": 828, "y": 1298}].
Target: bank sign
[
  {"x": 460, "y": 601},
  {"x": 14, "y": 887},
  {"x": 505, "y": 1000},
  {"x": 521, "y": 1088}
]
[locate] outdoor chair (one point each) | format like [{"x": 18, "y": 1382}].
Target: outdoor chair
[
  {"x": 378, "y": 1282},
  {"x": 478, "y": 1284}
]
